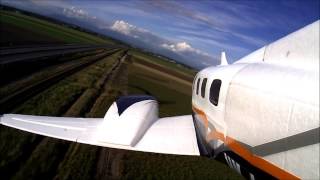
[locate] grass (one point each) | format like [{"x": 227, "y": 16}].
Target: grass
[
  {"x": 79, "y": 162},
  {"x": 15, "y": 147},
  {"x": 140, "y": 56},
  {"x": 139, "y": 165},
  {"x": 171, "y": 102},
  {"x": 46, "y": 30},
  {"x": 41, "y": 163},
  {"x": 174, "y": 97},
  {"x": 82, "y": 105},
  {"x": 54, "y": 102},
  {"x": 39, "y": 74},
  {"x": 115, "y": 86}
]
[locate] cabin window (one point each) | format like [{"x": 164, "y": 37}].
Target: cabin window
[
  {"x": 198, "y": 84},
  {"x": 194, "y": 83},
  {"x": 215, "y": 91},
  {"x": 203, "y": 87}
]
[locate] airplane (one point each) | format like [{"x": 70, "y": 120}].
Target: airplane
[{"x": 259, "y": 115}]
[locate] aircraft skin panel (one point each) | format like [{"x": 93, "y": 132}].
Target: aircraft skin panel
[
  {"x": 173, "y": 135},
  {"x": 254, "y": 57},
  {"x": 299, "y": 49},
  {"x": 177, "y": 134},
  {"x": 281, "y": 81},
  {"x": 293, "y": 157}
]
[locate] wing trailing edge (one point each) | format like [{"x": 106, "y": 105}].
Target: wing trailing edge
[{"x": 135, "y": 128}]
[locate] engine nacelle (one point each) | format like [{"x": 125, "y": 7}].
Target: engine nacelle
[{"x": 127, "y": 120}]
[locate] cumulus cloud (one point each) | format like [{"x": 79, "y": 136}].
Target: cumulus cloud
[
  {"x": 132, "y": 31},
  {"x": 175, "y": 50},
  {"x": 77, "y": 13},
  {"x": 183, "y": 47},
  {"x": 182, "y": 51},
  {"x": 122, "y": 27},
  {"x": 128, "y": 29},
  {"x": 178, "y": 47}
]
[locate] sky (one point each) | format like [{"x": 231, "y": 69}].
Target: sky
[{"x": 191, "y": 32}]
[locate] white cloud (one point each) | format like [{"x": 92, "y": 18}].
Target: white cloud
[
  {"x": 180, "y": 49},
  {"x": 188, "y": 52},
  {"x": 122, "y": 27},
  {"x": 76, "y": 13},
  {"x": 183, "y": 47},
  {"x": 128, "y": 29}
]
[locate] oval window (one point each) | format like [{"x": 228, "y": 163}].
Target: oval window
[{"x": 215, "y": 91}]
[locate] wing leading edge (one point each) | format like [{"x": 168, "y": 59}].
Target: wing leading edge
[{"x": 173, "y": 135}]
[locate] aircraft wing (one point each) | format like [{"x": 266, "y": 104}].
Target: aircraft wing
[{"x": 132, "y": 131}]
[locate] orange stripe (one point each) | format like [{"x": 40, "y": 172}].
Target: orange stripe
[
  {"x": 215, "y": 135},
  {"x": 237, "y": 148},
  {"x": 203, "y": 117}
]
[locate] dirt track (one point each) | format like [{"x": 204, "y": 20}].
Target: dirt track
[{"x": 14, "y": 98}]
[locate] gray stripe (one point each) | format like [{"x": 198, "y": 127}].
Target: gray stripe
[
  {"x": 211, "y": 126},
  {"x": 292, "y": 142}
]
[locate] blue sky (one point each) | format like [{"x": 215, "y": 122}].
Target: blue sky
[{"x": 193, "y": 32}]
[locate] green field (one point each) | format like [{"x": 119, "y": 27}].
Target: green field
[
  {"x": 88, "y": 93},
  {"x": 17, "y": 28},
  {"x": 173, "y": 96},
  {"x": 165, "y": 63}
]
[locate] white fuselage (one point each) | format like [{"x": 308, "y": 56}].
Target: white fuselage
[{"x": 264, "y": 109}]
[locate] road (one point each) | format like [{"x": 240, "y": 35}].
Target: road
[{"x": 13, "y": 55}]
